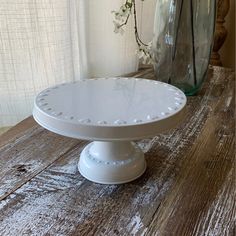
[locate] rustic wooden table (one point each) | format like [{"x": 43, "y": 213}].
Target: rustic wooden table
[{"x": 188, "y": 188}]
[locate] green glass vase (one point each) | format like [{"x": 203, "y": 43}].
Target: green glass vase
[{"x": 182, "y": 43}]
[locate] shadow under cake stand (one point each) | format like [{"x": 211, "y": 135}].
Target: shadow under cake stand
[{"x": 111, "y": 112}]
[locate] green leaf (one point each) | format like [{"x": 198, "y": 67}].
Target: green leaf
[{"x": 129, "y": 4}]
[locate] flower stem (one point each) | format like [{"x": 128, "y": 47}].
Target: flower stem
[
  {"x": 138, "y": 40},
  {"x": 125, "y": 21}
]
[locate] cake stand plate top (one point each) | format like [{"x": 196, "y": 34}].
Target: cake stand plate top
[{"x": 110, "y": 108}]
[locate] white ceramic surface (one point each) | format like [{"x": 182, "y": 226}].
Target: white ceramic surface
[
  {"x": 111, "y": 162},
  {"x": 110, "y": 110}
]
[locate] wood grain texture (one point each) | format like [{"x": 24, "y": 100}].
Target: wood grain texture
[
  {"x": 188, "y": 188},
  {"x": 27, "y": 153},
  {"x": 4, "y": 129}
]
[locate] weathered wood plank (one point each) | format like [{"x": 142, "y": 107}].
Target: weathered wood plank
[
  {"x": 17, "y": 131},
  {"x": 4, "y": 129},
  {"x": 202, "y": 201},
  {"x": 187, "y": 189},
  {"x": 24, "y": 157}
]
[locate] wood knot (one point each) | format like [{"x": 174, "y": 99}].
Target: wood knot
[
  {"x": 20, "y": 168},
  {"x": 116, "y": 232}
]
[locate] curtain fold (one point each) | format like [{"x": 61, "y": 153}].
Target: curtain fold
[{"x": 46, "y": 42}]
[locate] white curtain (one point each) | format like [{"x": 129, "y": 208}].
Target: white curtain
[{"x": 45, "y": 42}]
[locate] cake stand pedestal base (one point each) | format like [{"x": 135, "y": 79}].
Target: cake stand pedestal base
[{"x": 114, "y": 162}]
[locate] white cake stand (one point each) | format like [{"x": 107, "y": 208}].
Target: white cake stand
[{"x": 112, "y": 112}]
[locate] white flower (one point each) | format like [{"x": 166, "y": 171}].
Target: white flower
[
  {"x": 124, "y": 11},
  {"x": 121, "y": 17},
  {"x": 140, "y": 53},
  {"x": 118, "y": 28},
  {"x": 145, "y": 53},
  {"x": 122, "y": 14},
  {"x": 118, "y": 17}
]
